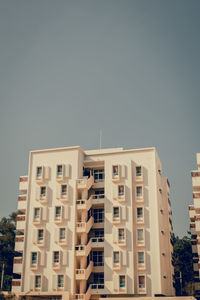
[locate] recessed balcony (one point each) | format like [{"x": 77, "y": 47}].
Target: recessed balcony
[
  {"x": 83, "y": 274},
  {"x": 97, "y": 242},
  {"x": 98, "y": 199},
  {"x": 97, "y": 288},
  {"x": 84, "y": 226},
  {"x": 85, "y": 183},
  {"x": 84, "y": 204}
]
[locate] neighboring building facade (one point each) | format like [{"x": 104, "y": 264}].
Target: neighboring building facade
[
  {"x": 194, "y": 211},
  {"x": 94, "y": 223}
]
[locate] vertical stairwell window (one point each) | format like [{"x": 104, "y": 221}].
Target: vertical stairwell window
[
  {"x": 37, "y": 281},
  {"x": 60, "y": 282}
]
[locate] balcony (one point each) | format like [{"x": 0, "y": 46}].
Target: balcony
[
  {"x": 97, "y": 242},
  {"x": 84, "y": 204},
  {"x": 197, "y": 223},
  {"x": 23, "y": 183},
  {"x": 17, "y": 267},
  {"x": 98, "y": 199},
  {"x": 83, "y": 250},
  {"x": 16, "y": 285},
  {"x": 97, "y": 288},
  {"x": 84, "y": 226},
  {"x": 19, "y": 243},
  {"x": 85, "y": 296},
  {"x": 22, "y": 203},
  {"x": 20, "y": 222},
  {"x": 83, "y": 274},
  {"x": 85, "y": 183}
]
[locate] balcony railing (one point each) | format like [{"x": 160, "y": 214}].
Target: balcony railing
[
  {"x": 85, "y": 182},
  {"x": 97, "y": 286},
  {"x": 84, "y": 203},
  {"x": 83, "y": 250},
  {"x": 83, "y": 274},
  {"x": 98, "y": 199},
  {"x": 85, "y": 296},
  {"x": 85, "y": 226}
]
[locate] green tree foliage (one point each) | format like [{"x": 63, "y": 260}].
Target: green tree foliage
[
  {"x": 183, "y": 265},
  {"x": 7, "y": 244}
]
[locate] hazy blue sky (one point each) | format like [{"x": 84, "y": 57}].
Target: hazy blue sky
[{"x": 69, "y": 68}]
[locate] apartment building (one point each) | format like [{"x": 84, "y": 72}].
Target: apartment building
[
  {"x": 194, "y": 212},
  {"x": 93, "y": 224}
]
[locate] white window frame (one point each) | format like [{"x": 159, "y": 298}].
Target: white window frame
[
  {"x": 39, "y": 282},
  {"x": 36, "y": 261},
  {"x": 62, "y": 282},
  {"x": 140, "y": 197},
  {"x": 140, "y": 264},
  {"x": 138, "y": 176},
  {"x": 61, "y": 239},
  {"x": 119, "y": 216},
  {"x": 140, "y": 241},
  {"x": 59, "y": 174},
  {"x": 58, "y": 217},
  {"x": 141, "y": 219},
  {"x": 39, "y": 176},
  {"x": 43, "y": 195},
  {"x": 118, "y": 191},
  {"x": 40, "y": 240},
  {"x": 56, "y": 261},
  {"x": 37, "y": 217},
  {"x": 118, "y": 234},
  {"x": 139, "y": 287},
  {"x": 63, "y": 194},
  {"x": 122, "y": 286},
  {"x": 113, "y": 173},
  {"x": 116, "y": 263}
]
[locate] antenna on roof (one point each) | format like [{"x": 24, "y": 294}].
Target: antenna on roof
[{"x": 100, "y": 138}]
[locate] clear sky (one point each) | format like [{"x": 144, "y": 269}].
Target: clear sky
[{"x": 69, "y": 68}]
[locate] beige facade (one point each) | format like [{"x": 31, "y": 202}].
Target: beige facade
[
  {"x": 194, "y": 212},
  {"x": 94, "y": 223}
]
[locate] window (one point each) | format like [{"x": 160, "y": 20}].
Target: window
[
  {"x": 62, "y": 234},
  {"x": 138, "y": 171},
  {"x": 43, "y": 191},
  {"x": 39, "y": 172},
  {"x": 98, "y": 278},
  {"x": 98, "y": 194},
  {"x": 115, "y": 212},
  {"x": 56, "y": 257},
  {"x": 98, "y": 175},
  {"x": 139, "y": 213},
  {"x": 140, "y": 258},
  {"x": 138, "y": 191},
  {"x": 98, "y": 215},
  {"x": 36, "y": 213},
  {"x": 141, "y": 281},
  {"x": 115, "y": 171},
  {"x": 40, "y": 235},
  {"x": 120, "y": 190},
  {"x": 98, "y": 258},
  {"x": 37, "y": 281},
  {"x": 140, "y": 234},
  {"x": 60, "y": 281},
  {"x": 34, "y": 258},
  {"x": 57, "y": 212},
  {"x": 116, "y": 257},
  {"x": 121, "y": 234},
  {"x": 63, "y": 190},
  {"x": 59, "y": 170},
  {"x": 122, "y": 282}
]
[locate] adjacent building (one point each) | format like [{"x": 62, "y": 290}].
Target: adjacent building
[
  {"x": 94, "y": 224},
  {"x": 194, "y": 211}
]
